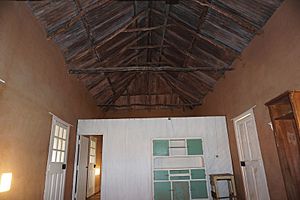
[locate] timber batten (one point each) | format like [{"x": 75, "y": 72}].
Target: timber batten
[{"x": 151, "y": 54}]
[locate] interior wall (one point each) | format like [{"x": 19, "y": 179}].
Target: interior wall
[
  {"x": 127, "y": 147},
  {"x": 267, "y": 68},
  {"x": 36, "y": 83}
]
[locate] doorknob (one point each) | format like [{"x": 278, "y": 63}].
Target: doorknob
[
  {"x": 63, "y": 166},
  {"x": 243, "y": 163}
]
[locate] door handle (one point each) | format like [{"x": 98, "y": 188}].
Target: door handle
[
  {"x": 63, "y": 166},
  {"x": 243, "y": 163}
]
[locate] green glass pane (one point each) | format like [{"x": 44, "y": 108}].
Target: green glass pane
[
  {"x": 181, "y": 191},
  {"x": 180, "y": 177},
  {"x": 198, "y": 173},
  {"x": 198, "y": 189},
  {"x": 161, "y": 175},
  {"x": 162, "y": 191},
  {"x": 161, "y": 148},
  {"x": 194, "y": 147},
  {"x": 179, "y": 171}
]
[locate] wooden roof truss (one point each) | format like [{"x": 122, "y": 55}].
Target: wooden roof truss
[{"x": 151, "y": 54}]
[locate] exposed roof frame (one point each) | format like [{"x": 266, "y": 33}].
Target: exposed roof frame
[{"x": 199, "y": 35}]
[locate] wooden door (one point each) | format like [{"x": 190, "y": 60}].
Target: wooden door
[
  {"x": 57, "y": 160},
  {"x": 254, "y": 177},
  {"x": 82, "y": 168}
]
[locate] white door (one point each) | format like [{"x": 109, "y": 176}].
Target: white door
[
  {"x": 91, "y": 167},
  {"x": 57, "y": 160},
  {"x": 82, "y": 168},
  {"x": 254, "y": 177}
]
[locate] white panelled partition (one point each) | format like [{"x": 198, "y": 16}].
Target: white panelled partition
[{"x": 127, "y": 150}]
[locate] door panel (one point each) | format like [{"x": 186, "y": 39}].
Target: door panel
[
  {"x": 255, "y": 183},
  {"x": 82, "y": 168},
  {"x": 181, "y": 191}
]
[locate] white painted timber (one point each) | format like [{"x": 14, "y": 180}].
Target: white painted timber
[{"x": 126, "y": 167}]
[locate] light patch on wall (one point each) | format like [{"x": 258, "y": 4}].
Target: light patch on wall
[
  {"x": 5, "y": 182},
  {"x": 2, "y": 81},
  {"x": 97, "y": 171}
]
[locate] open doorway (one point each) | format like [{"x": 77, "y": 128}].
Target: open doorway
[{"x": 89, "y": 165}]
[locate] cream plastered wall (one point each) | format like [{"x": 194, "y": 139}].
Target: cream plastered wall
[{"x": 36, "y": 83}]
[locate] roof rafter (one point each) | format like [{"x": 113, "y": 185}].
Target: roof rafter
[
  {"x": 185, "y": 93},
  {"x": 144, "y": 29},
  {"x": 73, "y": 20},
  {"x": 142, "y": 68},
  {"x": 91, "y": 39},
  {"x": 200, "y": 22},
  {"x": 199, "y": 35},
  {"x": 153, "y": 105},
  {"x": 166, "y": 16},
  {"x": 120, "y": 30},
  {"x": 239, "y": 21},
  {"x": 125, "y": 83},
  {"x": 107, "y": 61},
  {"x": 147, "y": 47},
  {"x": 203, "y": 77}
]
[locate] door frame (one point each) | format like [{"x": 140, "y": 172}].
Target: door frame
[
  {"x": 55, "y": 119},
  {"x": 76, "y": 160},
  {"x": 242, "y": 116}
]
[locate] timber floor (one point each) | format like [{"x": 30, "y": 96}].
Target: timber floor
[{"x": 94, "y": 197}]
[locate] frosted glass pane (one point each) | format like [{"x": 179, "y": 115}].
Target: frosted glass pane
[
  {"x": 53, "y": 156},
  {"x": 65, "y": 134},
  {"x": 55, "y": 143},
  {"x": 56, "y": 130},
  {"x": 61, "y": 132},
  {"x": 178, "y": 162},
  {"x": 59, "y": 144},
  {"x": 177, "y": 143},
  {"x": 92, "y": 159},
  {"x": 177, "y": 151},
  {"x": 63, "y": 145},
  {"x": 62, "y": 157},
  {"x": 93, "y": 144},
  {"x": 58, "y": 156},
  {"x": 93, "y": 152}
]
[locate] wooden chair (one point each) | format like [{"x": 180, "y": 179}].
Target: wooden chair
[{"x": 214, "y": 178}]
